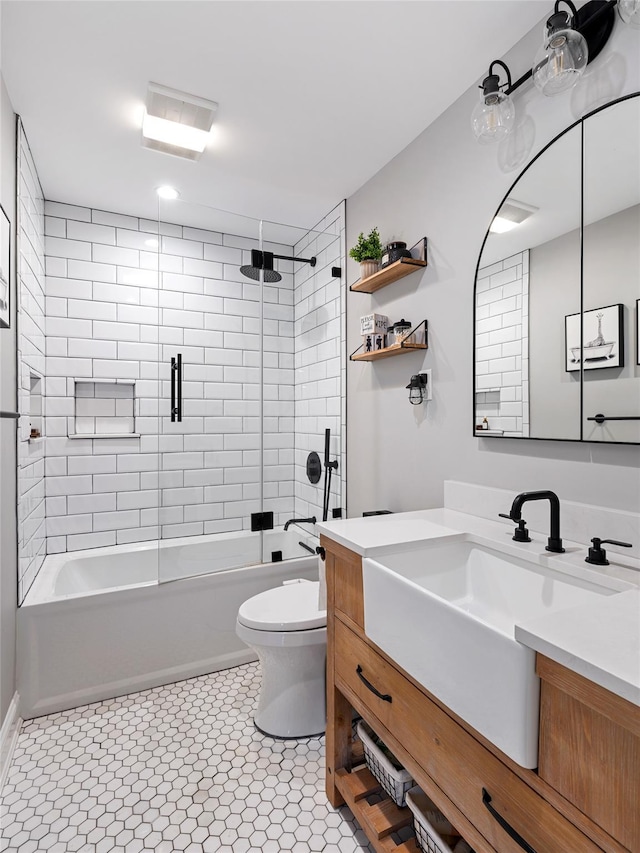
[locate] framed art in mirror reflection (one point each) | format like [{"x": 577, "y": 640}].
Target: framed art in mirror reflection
[{"x": 602, "y": 339}]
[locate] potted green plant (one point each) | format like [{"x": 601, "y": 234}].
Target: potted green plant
[{"x": 367, "y": 252}]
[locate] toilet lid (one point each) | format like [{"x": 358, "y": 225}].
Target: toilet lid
[{"x": 293, "y": 607}]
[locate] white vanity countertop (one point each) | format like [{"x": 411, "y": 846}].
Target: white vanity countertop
[{"x": 600, "y": 641}]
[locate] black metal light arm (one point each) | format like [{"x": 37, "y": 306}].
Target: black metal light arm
[{"x": 506, "y": 71}]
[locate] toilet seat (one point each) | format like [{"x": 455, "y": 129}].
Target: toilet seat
[{"x": 293, "y": 607}]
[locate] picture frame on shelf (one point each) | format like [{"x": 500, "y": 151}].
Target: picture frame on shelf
[
  {"x": 602, "y": 339},
  {"x": 5, "y": 270}
]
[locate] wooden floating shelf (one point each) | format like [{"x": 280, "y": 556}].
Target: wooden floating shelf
[
  {"x": 379, "y": 820},
  {"x": 396, "y": 270},
  {"x": 394, "y": 349}
]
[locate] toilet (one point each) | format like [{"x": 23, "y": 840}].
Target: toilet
[{"x": 289, "y": 634}]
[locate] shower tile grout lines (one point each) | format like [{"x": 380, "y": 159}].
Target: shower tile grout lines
[{"x": 175, "y": 768}]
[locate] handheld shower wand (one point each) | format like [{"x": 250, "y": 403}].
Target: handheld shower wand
[{"x": 328, "y": 469}]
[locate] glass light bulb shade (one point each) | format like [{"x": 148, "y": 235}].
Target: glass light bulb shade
[
  {"x": 629, "y": 11},
  {"x": 492, "y": 121},
  {"x": 416, "y": 395},
  {"x": 560, "y": 61}
]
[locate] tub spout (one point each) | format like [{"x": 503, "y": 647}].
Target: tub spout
[{"x": 311, "y": 520}]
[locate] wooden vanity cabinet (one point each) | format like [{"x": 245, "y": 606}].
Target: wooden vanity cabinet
[
  {"x": 590, "y": 749},
  {"x": 457, "y": 768}
]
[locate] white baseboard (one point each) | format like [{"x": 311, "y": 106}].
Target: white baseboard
[{"x": 9, "y": 737}]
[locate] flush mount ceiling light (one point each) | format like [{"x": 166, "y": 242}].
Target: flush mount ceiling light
[
  {"x": 494, "y": 114},
  {"x": 168, "y": 192},
  {"x": 177, "y": 123},
  {"x": 571, "y": 41},
  {"x": 511, "y": 213}
]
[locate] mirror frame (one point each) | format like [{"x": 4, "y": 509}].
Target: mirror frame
[{"x": 581, "y": 440}]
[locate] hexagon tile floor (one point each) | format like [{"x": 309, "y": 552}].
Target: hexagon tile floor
[{"x": 177, "y": 768}]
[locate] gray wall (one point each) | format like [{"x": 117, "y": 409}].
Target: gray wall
[
  {"x": 8, "y": 547},
  {"x": 448, "y": 187},
  {"x": 611, "y": 264},
  {"x": 554, "y": 292}
]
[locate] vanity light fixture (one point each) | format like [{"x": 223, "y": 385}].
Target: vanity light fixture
[
  {"x": 629, "y": 11},
  {"x": 417, "y": 388},
  {"x": 571, "y": 41},
  {"x": 562, "y": 58},
  {"x": 177, "y": 123},
  {"x": 494, "y": 114}
]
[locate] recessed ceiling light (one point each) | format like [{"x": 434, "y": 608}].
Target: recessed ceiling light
[
  {"x": 167, "y": 192},
  {"x": 177, "y": 123}
]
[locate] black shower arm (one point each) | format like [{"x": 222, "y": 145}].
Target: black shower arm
[{"x": 311, "y": 261}]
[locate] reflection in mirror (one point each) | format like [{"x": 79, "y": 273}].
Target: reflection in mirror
[
  {"x": 528, "y": 280},
  {"x": 611, "y": 384},
  {"x": 557, "y": 345}
]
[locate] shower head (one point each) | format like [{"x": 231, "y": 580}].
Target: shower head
[
  {"x": 263, "y": 262},
  {"x": 270, "y": 276}
]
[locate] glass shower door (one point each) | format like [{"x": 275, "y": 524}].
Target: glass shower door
[
  {"x": 304, "y": 372},
  {"x": 252, "y": 371},
  {"x": 210, "y": 442}
]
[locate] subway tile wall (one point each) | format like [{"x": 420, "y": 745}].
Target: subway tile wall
[
  {"x": 320, "y": 401},
  {"x": 124, "y": 295},
  {"x": 502, "y": 345},
  {"x": 31, "y": 367}
]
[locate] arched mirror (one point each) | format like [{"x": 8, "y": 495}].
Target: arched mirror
[{"x": 557, "y": 294}]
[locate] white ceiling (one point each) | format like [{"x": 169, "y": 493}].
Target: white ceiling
[{"x": 315, "y": 97}]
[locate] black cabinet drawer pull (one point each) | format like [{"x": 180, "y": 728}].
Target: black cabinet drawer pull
[
  {"x": 486, "y": 799},
  {"x": 384, "y": 696}
]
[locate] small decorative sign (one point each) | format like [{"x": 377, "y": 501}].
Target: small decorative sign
[{"x": 373, "y": 324}]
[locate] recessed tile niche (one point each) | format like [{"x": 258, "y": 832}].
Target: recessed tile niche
[
  {"x": 104, "y": 408},
  {"x": 35, "y": 407}
]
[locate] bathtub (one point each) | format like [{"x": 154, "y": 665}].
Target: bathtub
[{"x": 97, "y": 624}]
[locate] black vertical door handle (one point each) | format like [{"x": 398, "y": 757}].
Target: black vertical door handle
[
  {"x": 179, "y": 389},
  {"x": 173, "y": 390}
]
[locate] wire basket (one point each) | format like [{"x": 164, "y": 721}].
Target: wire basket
[
  {"x": 395, "y": 781},
  {"x": 430, "y": 824}
]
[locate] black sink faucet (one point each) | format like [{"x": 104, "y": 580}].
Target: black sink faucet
[{"x": 554, "y": 542}]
